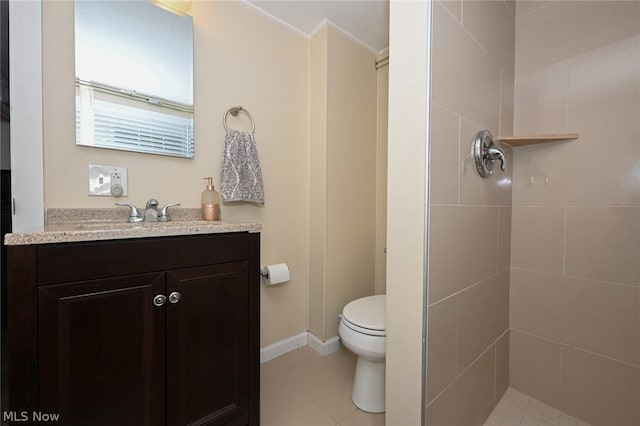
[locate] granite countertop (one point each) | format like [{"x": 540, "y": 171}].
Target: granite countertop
[{"x": 71, "y": 225}]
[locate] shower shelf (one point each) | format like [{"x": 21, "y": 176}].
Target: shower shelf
[{"x": 534, "y": 139}]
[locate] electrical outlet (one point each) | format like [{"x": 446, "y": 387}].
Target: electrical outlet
[
  {"x": 116, "y": 184},
  {"x": 108, "y": 181}
]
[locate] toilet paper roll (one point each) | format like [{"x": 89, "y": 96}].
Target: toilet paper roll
[{"x": 276, "y": 274}]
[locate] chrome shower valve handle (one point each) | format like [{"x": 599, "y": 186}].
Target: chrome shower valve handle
[
  {"x": 485, "y": 153},
  {"x": 493, "y": 154}
]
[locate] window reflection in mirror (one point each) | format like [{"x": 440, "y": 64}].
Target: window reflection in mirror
[{"x": 134, "y": 77}]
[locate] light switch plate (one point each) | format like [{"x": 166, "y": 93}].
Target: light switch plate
[{"x": 102, "y": 178}]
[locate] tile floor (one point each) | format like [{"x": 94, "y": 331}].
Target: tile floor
[
  {"x": 304, "y": 388},
  {"x": 516, "y": 408}
]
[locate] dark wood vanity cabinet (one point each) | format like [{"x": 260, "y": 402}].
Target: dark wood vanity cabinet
[{"x": 137, "y": 332}]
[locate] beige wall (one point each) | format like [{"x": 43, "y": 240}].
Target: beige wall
[
  {"x": 575, "y": 281},
  {"x": 343, "y": 190},
  {"x": 314, "y": 102},
  {"x": 470, "y": 217},
  {"x": 265, "y": 70},
  {"x": 318, "y": 52},
  {"x": 407, "y": 168},
  {"x": 351, "y": 175},
  {"x": 381, "y": 178}
]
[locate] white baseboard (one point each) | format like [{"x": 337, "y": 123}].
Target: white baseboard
[
  {"x": 282, "y": 347},
  {"x": 323, "y": 348},
  {"x": 299, "y": 340}
]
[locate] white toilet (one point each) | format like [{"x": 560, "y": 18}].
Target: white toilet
[{"x": 363, "y": 331}]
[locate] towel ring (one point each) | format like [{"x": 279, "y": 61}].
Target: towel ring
[{"x": 235, "y": 111}]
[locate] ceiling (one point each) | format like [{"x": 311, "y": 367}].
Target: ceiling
[{"x": 366, "y": 20}]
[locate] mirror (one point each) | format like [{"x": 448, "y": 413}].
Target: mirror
[{"x": 134, "y": 77}]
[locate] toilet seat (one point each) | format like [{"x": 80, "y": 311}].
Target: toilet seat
[
  {"x": 363, "y": 330},
  {"x": 366, "y": 315}
]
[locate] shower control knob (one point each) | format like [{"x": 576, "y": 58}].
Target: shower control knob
[{"x": 485, "y": 153}]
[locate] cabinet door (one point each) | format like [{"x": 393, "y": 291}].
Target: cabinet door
[
  {"x": 207, "y": 345},
  {"x": 102, "y": 351}
]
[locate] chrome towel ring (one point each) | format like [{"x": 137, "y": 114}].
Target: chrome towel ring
[{"x": 235, "y": 111}]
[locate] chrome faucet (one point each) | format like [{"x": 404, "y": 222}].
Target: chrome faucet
[
  {"x": 151, "y": 211},
  {"x": 134, "y": 214},
  {"x": 164, "y": 213}
]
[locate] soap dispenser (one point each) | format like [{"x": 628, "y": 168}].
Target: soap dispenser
[{"x": 210, "y": 202}]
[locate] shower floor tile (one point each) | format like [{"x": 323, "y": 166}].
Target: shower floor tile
[{"x": 516, "y": 408}]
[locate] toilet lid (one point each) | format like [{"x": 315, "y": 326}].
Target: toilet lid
[{"x": 368, "y": 312}]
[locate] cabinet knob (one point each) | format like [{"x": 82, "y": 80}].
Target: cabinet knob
[
  {"x": 174, "y": 297},
  {"x": 159, "y": 300}
]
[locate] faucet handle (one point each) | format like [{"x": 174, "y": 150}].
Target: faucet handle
[
  {"x": 164, "y": 213},
  {"x": 485, "y": 153},
  {"x": 134, "y": 214},
  {"x": 494, "y": 153}
]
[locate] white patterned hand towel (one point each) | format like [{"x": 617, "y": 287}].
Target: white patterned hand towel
[{"x": 241, "y": 175}]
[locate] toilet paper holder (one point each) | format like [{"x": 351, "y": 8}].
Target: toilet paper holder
[{"x": 275, "y": 274}]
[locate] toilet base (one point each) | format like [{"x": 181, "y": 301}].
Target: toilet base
[{"x": 369, "y": 386}]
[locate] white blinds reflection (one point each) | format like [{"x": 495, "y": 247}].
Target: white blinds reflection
[{"x": 108, "y": 120}]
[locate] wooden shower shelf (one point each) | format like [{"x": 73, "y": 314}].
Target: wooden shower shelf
[{"x": 534, "y": 139}]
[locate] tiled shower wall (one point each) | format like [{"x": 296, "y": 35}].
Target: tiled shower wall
[
  {"x": 575, "y": 251},
  {"x": 470, "y": 217}
]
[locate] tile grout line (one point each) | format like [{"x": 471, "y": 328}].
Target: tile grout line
[
  {"x": 556, "y": 274},
  {"x": 498, "y": 244},
  {"x": 566, "y": 100},
  {"x": 494, "y": 60},
  {"x": 576, "y": 347},
  {"x": 469, "y": 120},
  {"x": 536, "y": 10},
  {"x": 561, "y": 373},
  {"x": 482, "y": 281},
  {"x": 459, "y": 159},
  {"x": 457, "y": 376},
  {"x": 573, "y": 206},
  {"x": 501, "y": 98},
  {"x": 471, "y": 205},
  {"x": 495, "y": 373},
  {"x": 564, "y": 244},
  {"x": 455, "y": 354}
]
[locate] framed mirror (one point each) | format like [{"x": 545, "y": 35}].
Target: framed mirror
[{"x": 134, "y": 77}]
